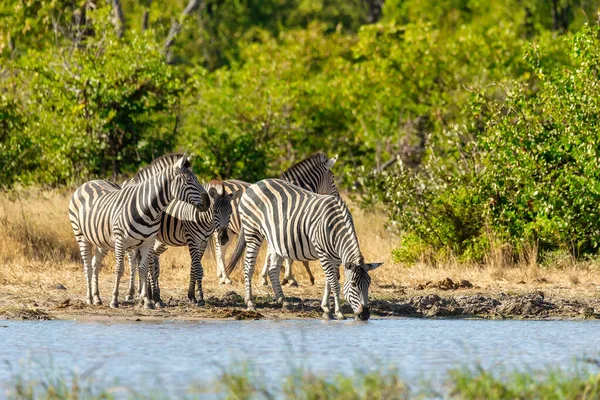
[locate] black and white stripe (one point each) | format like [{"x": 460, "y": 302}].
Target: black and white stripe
[
  {"x": 303, "y": 226},
  {"x": 183, "y": 225},
  {"x": 106, "y": 217},
  {"x": 313, "y": 174}
]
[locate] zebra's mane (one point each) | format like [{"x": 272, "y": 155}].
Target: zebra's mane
[
  {"x": 349, "y": 221},
  {"x": 171, "y": 159},
  {"x": 317, "y": 157}
]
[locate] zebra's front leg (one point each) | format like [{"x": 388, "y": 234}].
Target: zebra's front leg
[
  {"x": 274, "y": 269},
  {"x": 325, "y": 303},
  {"x": 196, "y": 249},
  {"x": 288, "y": 277},
  {"x": 220, "y": 251},
  {"x": 120, "y": 258},
  {"x": 252, "y": 249},
  {"x": 131, "y": 257},
  {"x": 85, "y": 248},
  {"x": 332, "y": 277},
  {"x": 96, "y": 267},
  {"x": 154, "y": 275},
  {"x": 145, "y": 254}
]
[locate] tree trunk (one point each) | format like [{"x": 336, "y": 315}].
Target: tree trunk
[{"x": 118, "y": 18}]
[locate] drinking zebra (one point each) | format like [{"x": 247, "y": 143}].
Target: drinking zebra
[
  {"x": 313, "y": 174},
  {"x": 301, "y": 225},
  {"x": 108, "y": 217}
]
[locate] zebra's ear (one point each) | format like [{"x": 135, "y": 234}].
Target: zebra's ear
[
  {"x": 212, "y": 192},
  {"x": 236, "y": 195},
  {"x": 372, "y": 266},
  {"x": 183, "y": 162},
  {"x": 329, "y": 164}
]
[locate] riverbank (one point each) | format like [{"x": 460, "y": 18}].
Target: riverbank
[
  {"x": 41, "y": 277},
  {"x": 58, "y": 302}
]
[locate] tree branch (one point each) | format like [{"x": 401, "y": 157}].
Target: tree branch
[{"x": 176, "y": 26}]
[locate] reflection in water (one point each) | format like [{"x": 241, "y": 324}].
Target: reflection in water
[{"x": 171, "y": 355}]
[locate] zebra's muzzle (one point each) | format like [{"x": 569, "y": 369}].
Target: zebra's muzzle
[
  {"x": 364, "y": 315},
  {"x": 223, "y": 237}
]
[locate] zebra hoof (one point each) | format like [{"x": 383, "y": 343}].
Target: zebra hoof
[
  {"x": 148, "y": 305},
  {"x": 293, "y": 283},
  {"x": 227, "y": 281},
  {"x": 251, "y": 307},
  {"x": 114, "y": 304},
  {"x": 312, "y": 281},
  {"x": 327, "y": 316},
  {"x": 129, "y": 298},
  {"x": 200, "y": 303},
  {"x": 264, "y": 282},
  {"x": 98, "y": 302},
  {"x": 340, "y": 316},
  {"x": 159, "y": 304},
  {"x": 287, "y": 306},
  {"x": 89, "y": 301},
  {"x": 284, "y": 282}
]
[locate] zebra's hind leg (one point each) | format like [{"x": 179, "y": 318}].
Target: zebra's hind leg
[
  {"x": 252, "y": 248},
  {"x": 119, "y": 269},
  {"x": 309, "y": 272},
  {"x": 274, "y": 269},
  {"x": 196, "y": 249},
  {"x": 288, "y": 277},
  {"x": 265, "y": 271},
  {"x": 154, "y": 273},
  {"x": 132, "y": 258},
  {"x": 96, "y": 267},
  {"x": 145, "y": 254},
  {"x": 85, "y": 248}
]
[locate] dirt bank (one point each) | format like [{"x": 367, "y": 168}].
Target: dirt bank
[{"x": 446, "y": 303}]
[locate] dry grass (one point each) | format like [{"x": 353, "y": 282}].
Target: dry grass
[{"x": 39, "y": 252}]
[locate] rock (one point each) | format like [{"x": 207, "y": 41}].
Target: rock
[{"x": 60, "y": 286}]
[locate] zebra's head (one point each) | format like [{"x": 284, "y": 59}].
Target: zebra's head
[
  {"x": 327, "y": 181},
  {"x": 356, "y": 288},
  {"x": 185, "y": 186},
  {"x": 221, "y": 207}
]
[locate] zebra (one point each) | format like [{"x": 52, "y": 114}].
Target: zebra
[
  {"x": 105, "y": 216},
  {"x": 183, "y": 225},
  {"x": 301, "y": 225},
  {"x": 313, "y": 174}
]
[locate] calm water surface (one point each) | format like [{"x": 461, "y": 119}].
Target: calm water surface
[{"x": 172, "y": 355}]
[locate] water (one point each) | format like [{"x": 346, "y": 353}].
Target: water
[{"x": 172, "y": 355}]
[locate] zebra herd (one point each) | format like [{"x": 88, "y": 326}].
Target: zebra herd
[{"x": 301, "y": 216}]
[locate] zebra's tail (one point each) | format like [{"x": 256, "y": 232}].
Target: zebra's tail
[{"x": 237, "y": 254}]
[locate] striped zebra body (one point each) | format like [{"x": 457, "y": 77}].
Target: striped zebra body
[
  {"x": 303, "y": 226},
  {"x": 107, "y": 217},
  {"x": 235, "y": 227},
  {"x": 313, "y": 174},
  {"x": 183, "y": 225}
]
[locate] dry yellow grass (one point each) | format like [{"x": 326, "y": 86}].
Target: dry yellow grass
[{"x": 38, "y": 252}]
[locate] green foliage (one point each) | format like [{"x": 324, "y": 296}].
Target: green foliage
[
  {"x": 540, "y": 154},
  {"x": 522, "y": 168},
  {"x": 552, "y": 384},
  {"x": 92, "y": 107}
]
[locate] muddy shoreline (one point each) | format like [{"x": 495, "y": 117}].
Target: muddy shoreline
[{"x": 532, "y": 305}]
